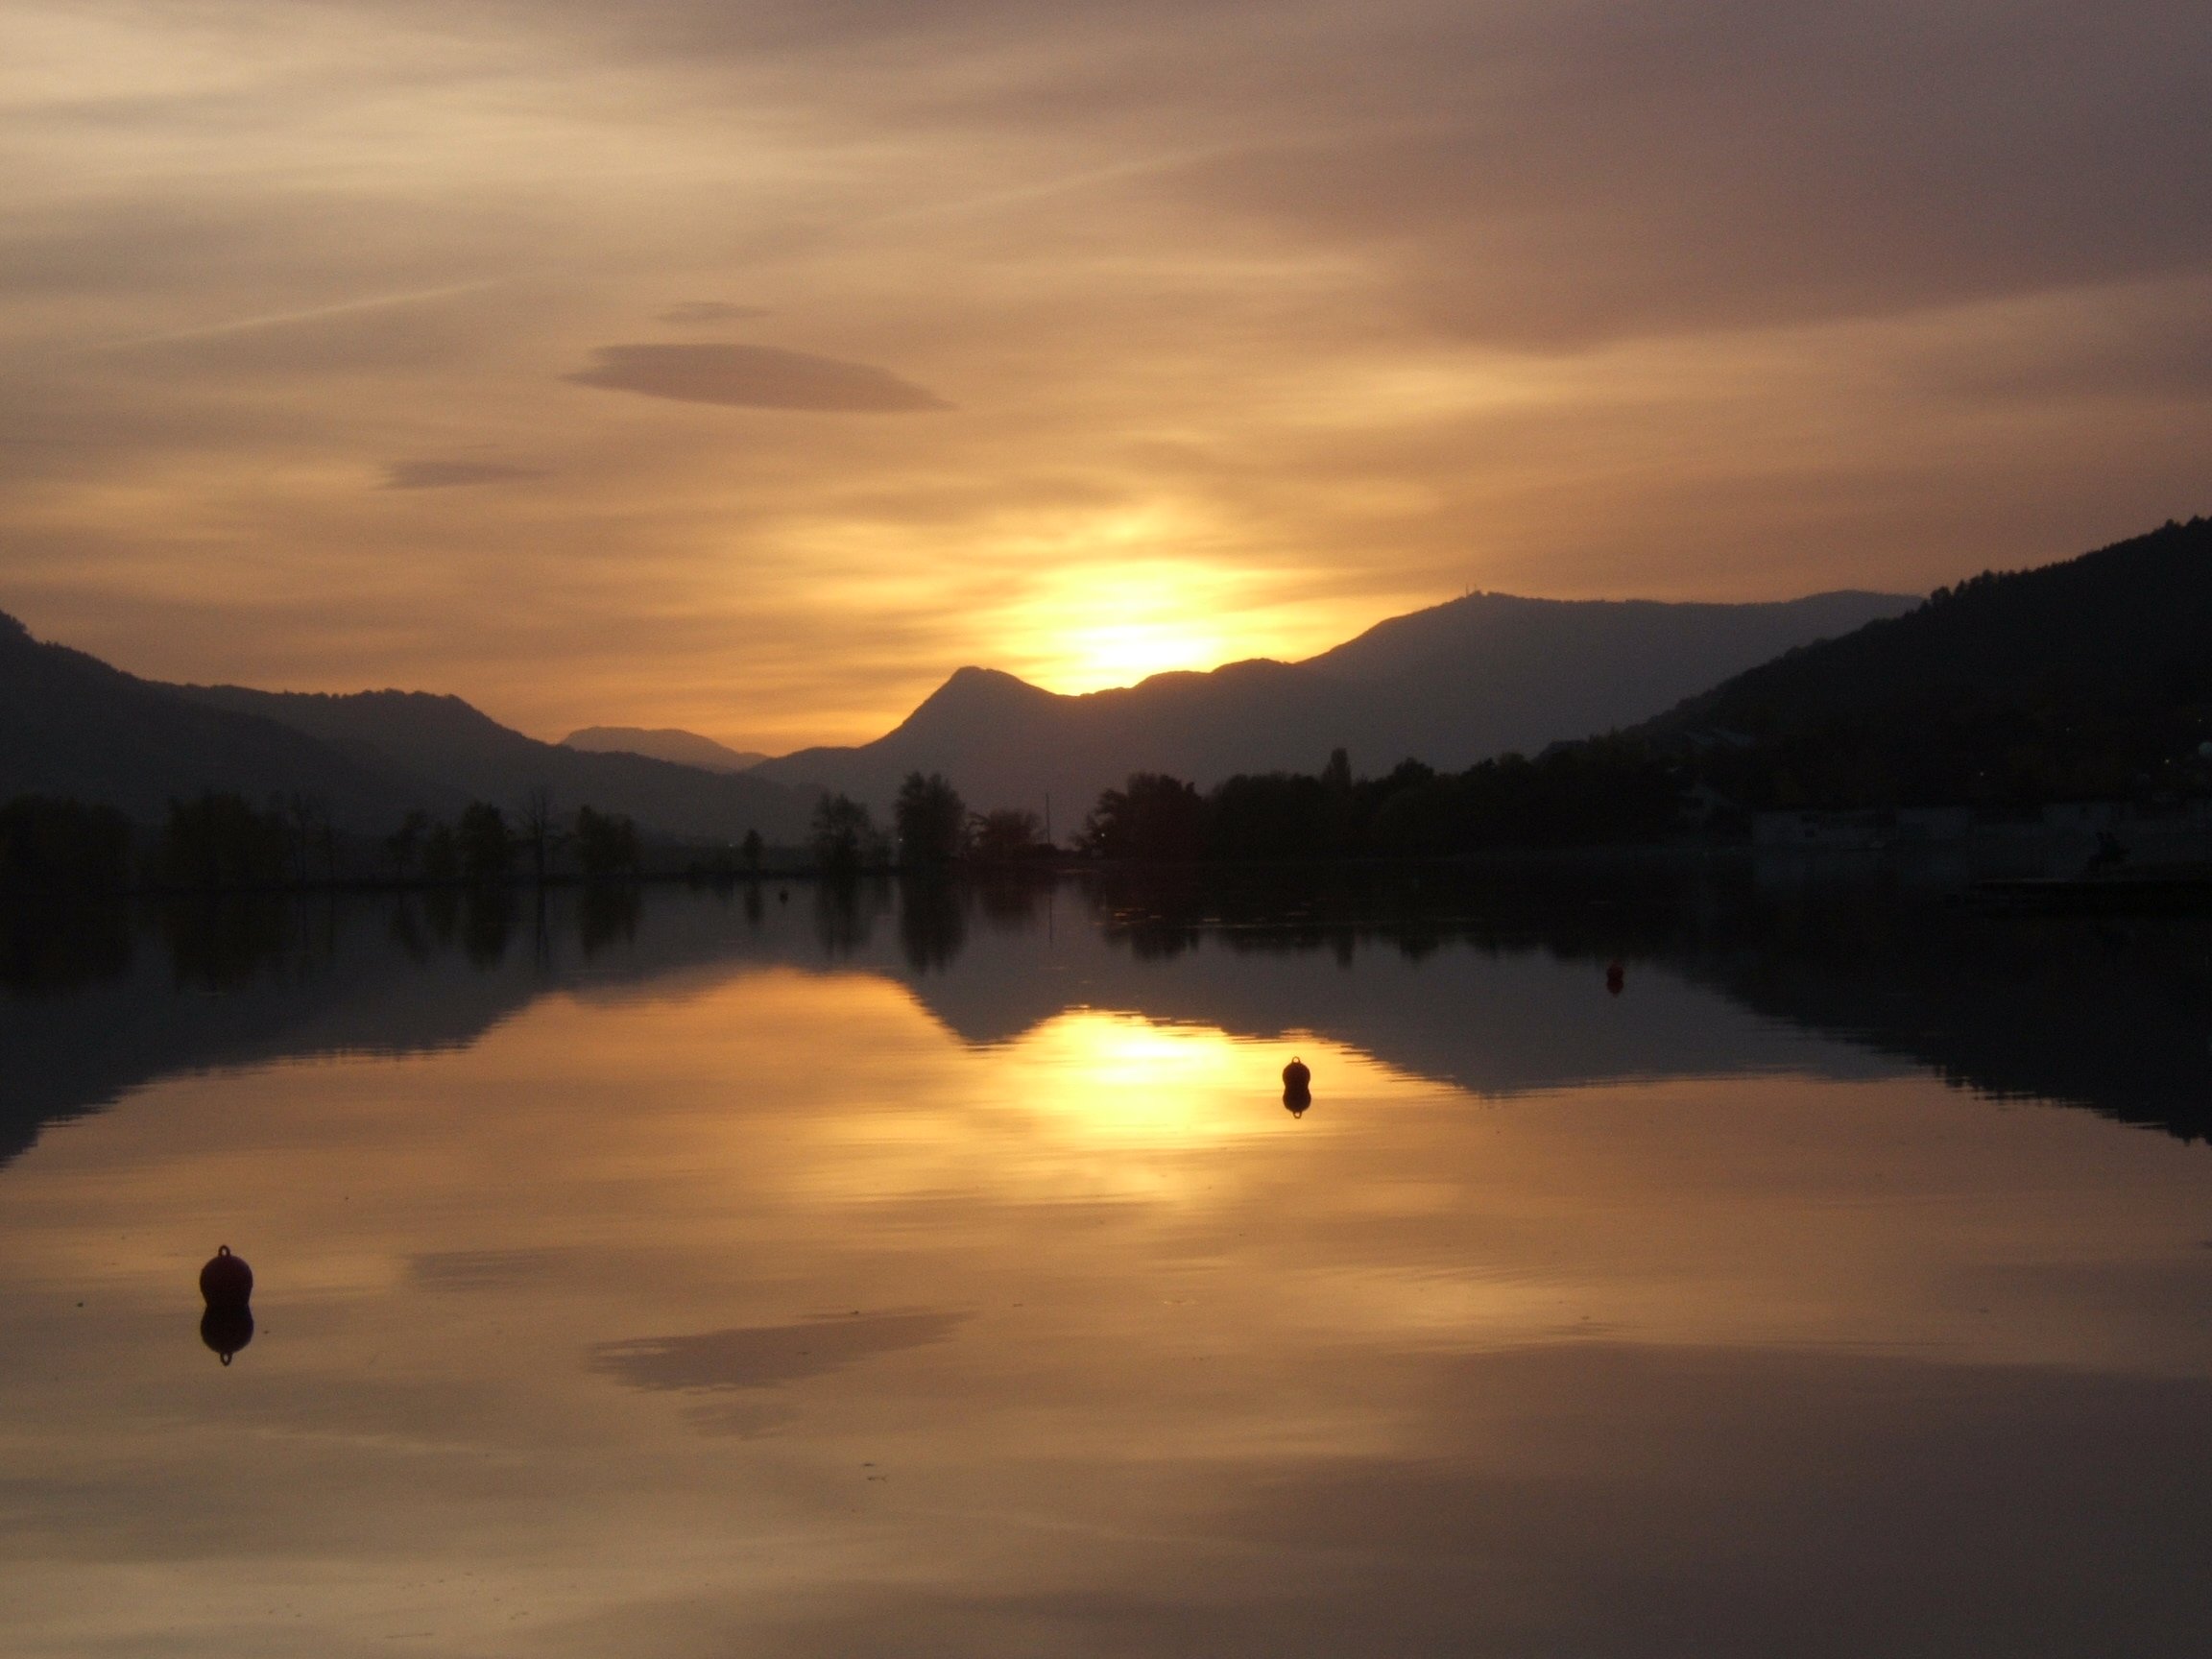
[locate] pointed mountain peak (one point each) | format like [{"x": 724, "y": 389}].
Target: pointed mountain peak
[
  {"x": 974, "y": 688},
  {"x": 971, "y": 698}
]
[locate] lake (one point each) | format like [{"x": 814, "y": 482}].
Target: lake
[{"x": 1702, "y": 1262}]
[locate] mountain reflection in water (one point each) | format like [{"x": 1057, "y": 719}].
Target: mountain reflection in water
[
  {"x": 937, "y": 1269},
  {"x": 1849, "y": 980}
]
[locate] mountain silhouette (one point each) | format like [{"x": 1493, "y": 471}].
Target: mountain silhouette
[
  {"x": 1452, "y": 684},
  {"x": 664, "y": 743},
  {"x": 441, "y": 743},
  {"x": 2085, "y": 679},
  {"x": 71, "y": 725}
]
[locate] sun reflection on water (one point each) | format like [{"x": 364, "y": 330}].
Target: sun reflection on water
[{"x": 1123, "y": 1078}]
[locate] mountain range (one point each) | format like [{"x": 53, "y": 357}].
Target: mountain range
[
  {"x": 1449, "y": 685},
  {"x": 446, "y": 741},
  {"x": 71, "y": 725}
]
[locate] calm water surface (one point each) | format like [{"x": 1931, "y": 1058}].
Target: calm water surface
[{"x": 746, "y": 1274}]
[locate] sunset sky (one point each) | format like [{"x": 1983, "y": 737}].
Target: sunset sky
[{"x": 748, "y": 367}]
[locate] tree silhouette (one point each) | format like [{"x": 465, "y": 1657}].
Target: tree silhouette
[
  {"x": 933, "y": 821},
  {"x": 485, "y": 845},
  {"x": 538, "y": 831},
  {"x": 310, "y": 840},
  {"x": 1155, "y": 818},
  {"x": 605, "y": 844},
  {"x": 840, "y": 835},
  {"x": 221, "y": 841},
  {"x": 441, "y": 855},
  {"x": 404, "y": 845},
  {"x": 1005, "y": 835},
  {"x": 57, "y": 844}
]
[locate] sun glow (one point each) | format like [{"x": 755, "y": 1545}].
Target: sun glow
[
  {"x": 1113, "y": 624},
  {"x": 1129, "y": 648}
]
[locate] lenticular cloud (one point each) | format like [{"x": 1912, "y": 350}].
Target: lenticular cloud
[{"x": 755, "y": 378}]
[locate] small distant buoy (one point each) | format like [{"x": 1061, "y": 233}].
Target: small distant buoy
[
  {"x": 226, "y": 1282},
  {"x": 1297, "y": 1075},
  {"x": 1615, "y": 976}
]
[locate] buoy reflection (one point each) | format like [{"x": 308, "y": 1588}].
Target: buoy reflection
[{"x": 226, "y": 1331}]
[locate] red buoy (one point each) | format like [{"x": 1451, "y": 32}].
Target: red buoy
[
  {"x": 226, "y": 1282},
  {"x": 1615, "y": 976}
]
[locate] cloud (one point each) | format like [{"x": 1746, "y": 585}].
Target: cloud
[
  {"x": 755, "y": 378},
  {"x": 692, "y": 311},
  {"x": 1555, "y": 182},
  {"x": 1337, "y": 308},
  {"x": 452, "y": 474}
]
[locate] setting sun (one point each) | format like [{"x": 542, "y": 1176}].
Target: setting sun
[{"x": 1096, "y": 625}]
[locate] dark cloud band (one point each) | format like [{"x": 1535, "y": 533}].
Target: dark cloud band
[
  {"x": 693, "y": 311},
  {"x": 452, "y": 474},
  {"x": 755, "y": 378}
]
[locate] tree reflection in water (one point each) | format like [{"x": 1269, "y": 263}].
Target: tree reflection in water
[
  {"x": 933, "y": 921},
  {"x": 846, "y": 909},
  {"x": 606, "y": 915},
  {"x": 2104, "y": 1012}
]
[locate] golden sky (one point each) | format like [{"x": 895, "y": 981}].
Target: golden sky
[{"x": 749, "y": 367}]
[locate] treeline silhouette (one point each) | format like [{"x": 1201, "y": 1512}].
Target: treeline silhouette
[
  {"x": 49, "y": 844},
  {"x": 1609, "y": 791},
  {"x": 222, "y": 842},
  {"x": 931, "y": 829}
]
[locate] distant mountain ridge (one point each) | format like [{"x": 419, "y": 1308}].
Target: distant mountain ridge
[
  {"x": 72, "y": 725},
  {"x": 664, "y": 743},
  {"x": 444, "y": 742},
  {"x": 1449, "y": 685}
]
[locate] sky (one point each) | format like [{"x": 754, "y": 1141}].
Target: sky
[{"x": 748, "y": 367}]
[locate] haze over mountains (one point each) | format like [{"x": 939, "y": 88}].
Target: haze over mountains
[
  {"x": 1449, "y": 685},
  {"x": 664, "y": 743}
]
